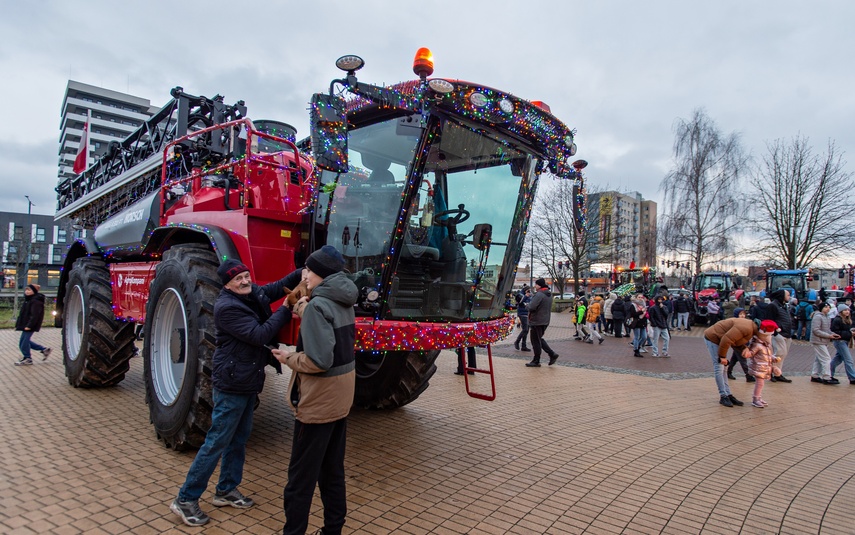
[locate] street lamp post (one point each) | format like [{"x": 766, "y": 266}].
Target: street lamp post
[{"x": 29, "y": 240}]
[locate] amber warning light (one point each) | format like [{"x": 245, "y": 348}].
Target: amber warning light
[{"x": 423, "y": 63}]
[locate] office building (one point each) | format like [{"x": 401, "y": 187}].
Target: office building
[
  {"x": 45, "y": 240},
  {"x": 114, "y": 116}
]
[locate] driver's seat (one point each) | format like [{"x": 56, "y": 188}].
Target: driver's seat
[{"x": 418, "y": 252}]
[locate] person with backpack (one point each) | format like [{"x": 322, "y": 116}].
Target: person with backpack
[
  {"x": 804, "y": 313},
  {"x": 523, "y": 299}
]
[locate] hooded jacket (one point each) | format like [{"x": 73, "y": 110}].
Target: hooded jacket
[
  {"x": 778, "y": 313},
  {"x": 761, "y": 358},
  {"x": 731, "y": 332},
  {"x": 540, "y": 308},
  {"x": 32, "y": 313},
  {"x": 607, "y": 306},
  {"x": 820, "y": 329},
  {"x": 658, "y": 316},
  {"x": 619, "y": 310},
  {"x": 594, "y": 310},
  {"x": 323, "y": 378},
  {"x": 245, "y": 326}
]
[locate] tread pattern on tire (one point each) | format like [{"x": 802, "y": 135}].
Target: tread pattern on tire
[
  {"x": 201, "y": 263},
  {"x": 400, "y": 379},
  {"x": 108, "y": 343}
]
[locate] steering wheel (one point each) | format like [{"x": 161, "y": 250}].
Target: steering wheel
[{"x": 460, "y": 215}]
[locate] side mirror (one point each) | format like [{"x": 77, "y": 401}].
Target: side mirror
[
  {"x": 328, "y": 120},
  {"x": 482, "y": 236}
]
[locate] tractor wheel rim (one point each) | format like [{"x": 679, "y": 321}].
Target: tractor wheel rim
[
  {"x": 169, "y": 346},
  {"x": 74, "y": 326}
]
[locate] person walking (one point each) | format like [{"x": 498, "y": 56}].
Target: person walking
[
  {"x": 842, "y": 326},
  {"x": 30, "y": 321},
  {"x": 523, "y": 300},
  {"x": 731, "y": 332},
  {"x": 539, "y": 314},
  {"x": 244, "y": 326},
  {"x": 659, "y": 321},
  {"x": 761, "y": 360},
  {"x": 804, "y": 313},
  {"x": 320, "y": 392},
  {"x": 581, "y": 318},
  {"x": 781, "y": 342},
  {"x": 618, "y": 316},
  {"x": 470, "y": 354},
  {"x": 820, "y": 336},
  {"x": 681, "y": 307},
  {"x": 591, "y": 319}
]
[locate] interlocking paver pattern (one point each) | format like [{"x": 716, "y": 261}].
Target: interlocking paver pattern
[{"x": 571, "y": 448}]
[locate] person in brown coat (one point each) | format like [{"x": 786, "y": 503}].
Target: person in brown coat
[{"x": 719, "y": 339}]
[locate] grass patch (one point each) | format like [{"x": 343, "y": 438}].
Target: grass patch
[{"x": 7, "y": 318}]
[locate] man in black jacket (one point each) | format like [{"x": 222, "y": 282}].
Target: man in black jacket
[
  {"x": 659, "y": 321},
  {"x": 539, "y": 314},
  {"x": 619, "y": 317},
  {"x": 777, "y": 312},
  {"x": 30, "y": 321},
  {"x": 681, "y": 308},
  {"x": 245, "y": 326}
]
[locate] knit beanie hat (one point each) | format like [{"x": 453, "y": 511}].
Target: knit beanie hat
[
  {"x": 34, "y": 287},
  {"x": 841, "y": 307},
  {"x": 541, "y": 283},
  {"x": 736, "y": 311},
  {"x": 325, "y": 261},
  {"x": 230, "y": 269}
]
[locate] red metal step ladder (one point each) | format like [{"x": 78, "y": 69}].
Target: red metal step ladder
[{"x": 487, "y": 371}]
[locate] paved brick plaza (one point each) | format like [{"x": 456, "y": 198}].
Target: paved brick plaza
[{"x": 570, "y": 448}]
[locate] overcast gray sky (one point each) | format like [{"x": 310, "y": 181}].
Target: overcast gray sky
[{"x": 620, "y": 72}]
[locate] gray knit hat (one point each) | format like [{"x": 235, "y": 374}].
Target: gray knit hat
[{"x": 325, "y": 261}]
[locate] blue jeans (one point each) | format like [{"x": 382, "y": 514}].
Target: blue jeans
[
  {"x": 639, "y": 337},
  {"x": 719, "y": 369},
  {"x": 658, "y": 333},
  {"x": 25, "y": 344},
  {"x": 682, "y": 320},
  {"x": 845, "y": 356},
  {"x": 231, "y": 423}
]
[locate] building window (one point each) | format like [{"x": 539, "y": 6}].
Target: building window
[
  {"x": 35, "y": 256},
  {"x": 61, "y": 236},
  {"x": 19, "y": 233},
  {"x": 57, "y": 257},
  {"x": 10, "y": 276},
  {"x": 40, "y": 234},
  {"x": 53, "y": 278}
]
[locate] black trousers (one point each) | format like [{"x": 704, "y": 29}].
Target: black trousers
[
  {"x": 618, "y": 324},
  {"x": 317, "y": 458},
  {"x": 523, "y": 331},
  {"x": 470, "y": 351},
  {"x": 538, "y": 344}
]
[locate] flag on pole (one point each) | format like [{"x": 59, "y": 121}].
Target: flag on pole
[{"x": 81, "y": 161}]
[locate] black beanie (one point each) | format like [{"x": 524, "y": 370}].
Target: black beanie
[
  {"x": 325, "y": 261},
  {"x": 230, "y": 269},
  {"x": 541, "y": 283}
]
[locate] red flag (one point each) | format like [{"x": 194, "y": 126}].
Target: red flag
[{"x": 81, "y": 161}]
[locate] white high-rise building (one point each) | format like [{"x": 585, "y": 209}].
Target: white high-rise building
[
  {"x": 114, "y": 116},
  {"x": 625, "y": 228}
]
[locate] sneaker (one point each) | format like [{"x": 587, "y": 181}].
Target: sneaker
[
  {"x": 735, "y": 401},
  {"x": 46, "y": 352},
  {"x": 589, "y": 341},
  {"x": 190, "y": 512},
  {"x": 831, "y": 381},
  {"x": 782, "y": 379},
  {"x": 602, "y": 340},
  {"x": 553, "y": 358},
  {"x": 524, "y": 348},
  {"x": 763, "y": 402},
  {"x": 725, "y": 401},
  {"x": 642, "y": 350},
  {"x": 233, "y": 498},
  {"x": 532, "y": 364},
  {"x": 666, "y": 355},
  {"x": 24, "y": 362},
  {"x": 517, "y": 345},
  {"x": 758, "y": 404},
  {"x": 815, "y": 380}
]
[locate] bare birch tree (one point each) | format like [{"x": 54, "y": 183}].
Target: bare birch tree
[
  {"x": 555, "y": 238},
  {"x": 701, "y": 191},
  {"x": 803, "y": 213}
]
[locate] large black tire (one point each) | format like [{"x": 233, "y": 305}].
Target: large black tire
[
  {"x": 391, "y": 379},
  {"x": 179, "y": 345},
  {"x": 96, "y": 347}
]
